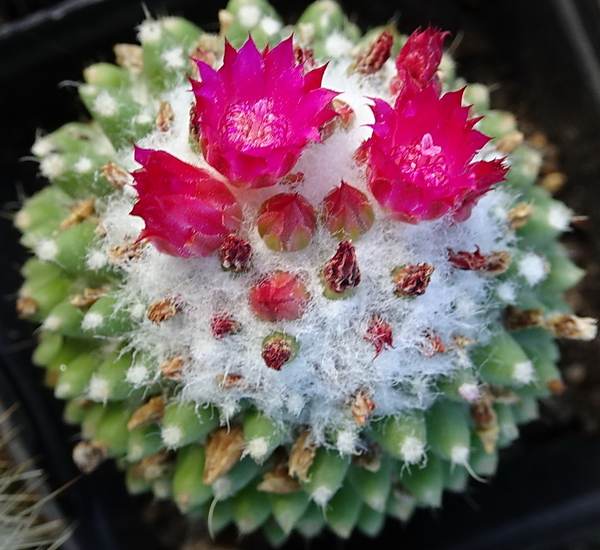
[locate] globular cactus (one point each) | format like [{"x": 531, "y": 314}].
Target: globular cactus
[{"x": 296, "y": 280}]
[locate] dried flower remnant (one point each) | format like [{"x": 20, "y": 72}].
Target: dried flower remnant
[
  {"x": 517, "y": 319},
  {"x": 187, "y": 211},
  {"x": 374, "y": 58},
  {"x": 573, "y": 327},
  {"x": 223, "y": 451},
  {"x": 362, "y": 407},
  {"x": 432, "y": 345},
  {"x": 116, "y": 177},
  {"x": 173, "y": 367},
  {"x": 302, "y": 455},
  {"x": 165, "y": 117},
  {"x": 222, "y": 325},
  {"x": 341, "y": 273},
  {"x": 380, "y": 335},
  {"x": 149, "y": 413},
  {"x": 412, "y": 280},
  {"x": 163, "y": 310},
  {"x": 279, "y": 481},
  {"x": 254, "y": 133},
  {"x": 235, "y": 254},
  {"x": 278, "y": 349},
  {"x": 493, "y": 264}
]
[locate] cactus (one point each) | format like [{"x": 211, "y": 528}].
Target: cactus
[{"x": 316, "y": 288}]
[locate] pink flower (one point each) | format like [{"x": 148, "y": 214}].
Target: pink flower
[
  {"x": 187, "y": 211},
  {"x": 258, "y": 112},
  {"x": 418, "y": 62},
  {"x": 420, "y": 158}
]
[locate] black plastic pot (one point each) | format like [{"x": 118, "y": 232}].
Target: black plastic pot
[{"x": 546, "y": 54}]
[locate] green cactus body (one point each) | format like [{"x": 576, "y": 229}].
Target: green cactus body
[{"x": 298, "y": 345}]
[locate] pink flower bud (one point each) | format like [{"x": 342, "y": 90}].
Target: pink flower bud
[
  {"x": 347, "y": 212},
  {"x": 187, "y": 211},
  {"x": 280, "y": 296},
  {"x": 287, "y": 222},
  {"x": 418, "y": 62}
]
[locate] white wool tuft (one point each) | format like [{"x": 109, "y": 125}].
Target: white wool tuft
[
  {"x": 105, "y": 104},
  {"x": 249, "y": 15},
  {"x": 46, "y": 250},
  {"x": 52, "y": 166},
  {"x": 524, "y": 372},
  {"x": 533, "y": 268}
]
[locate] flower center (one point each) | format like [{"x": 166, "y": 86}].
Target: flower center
[
  {"x": 250, "y": 125},
  {"x": 423, "y": 163}
]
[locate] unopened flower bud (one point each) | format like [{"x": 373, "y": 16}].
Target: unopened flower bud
[
  {"x": 287, "y": 222},
  {"x": 280, "y": 296},
  {"x": 347, "y": 212}
]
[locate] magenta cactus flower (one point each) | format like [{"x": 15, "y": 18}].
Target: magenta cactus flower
[
  {"x": 258, "y": 112},
  {"x": 420, "y": 158},
  {"x": 187, "y": 211}
]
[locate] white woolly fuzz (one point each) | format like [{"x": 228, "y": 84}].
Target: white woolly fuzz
[
  {"x": 249, "y": 15},
  {"x": 42, "y": 146},
  {"x": 171, "y": 436},
  {"x": 137, "y": 375},
  {"x": 52, "y": 323},
  {"x": 533, "y": 268},
  {"x": 459, "y": 454},
  {"x": 96, "y": 259},
  {"x": 62, "y": 390},
  {"x": 149, "y": 32},
  {"x": 83, "y": 165},
  {"x": 46, "y": 250},
  {"x": 412, "y": 450},
  {"x": 334, "y": 358},
  {"x": 99, "y": 389},
  {"x": 560, "y": 216},
  {"x": 469, "y": 392},
  {"x": 105, "y": 104},
  {"x": 257, "y": 449},
  {"x": 92, "y": 320},
  {"x": 52, "y": 166},
  {"x": 524, "y": 372},
  {"x": 507, "y": 292},
  {"x": 270, "y": 25},
  {"x": 174, "y": 58},
  {"x": 337, "y": 45},
  {"x": 322, "y": 495}
]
